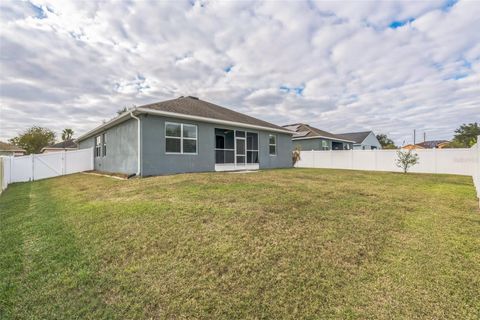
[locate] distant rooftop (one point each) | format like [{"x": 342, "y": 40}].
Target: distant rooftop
[{"x": 304, "y": 131}]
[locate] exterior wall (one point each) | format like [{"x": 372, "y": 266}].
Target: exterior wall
[
  {"x": 121, "y": 148},
  {"x": 155, "y": 161},
  {"x": 316, "y": 144},
  {"x": 369, "y": 142}
]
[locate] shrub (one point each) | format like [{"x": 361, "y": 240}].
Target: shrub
[{"x": 406, "y": 159}]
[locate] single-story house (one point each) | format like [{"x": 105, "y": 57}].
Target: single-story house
[
  {"x": 186, "y": 135},
  {"x": 365, "y": 140},
  {"x": 432, "y": 144},
  {"x": 7, "y": 149},
  {"x": 67, "y": 145},
  {"x": 307, "y": 137}
]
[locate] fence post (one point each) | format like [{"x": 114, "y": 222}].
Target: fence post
[
  {"x": 351, "y": 159},
  {"x": 64, "y": 163},
  {"x": 32, "y": 156}
]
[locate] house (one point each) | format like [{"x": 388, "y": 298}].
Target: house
[
  {"x": 186, "y": 135},
  {"x": 67, "y": 145},
  {"x": 432, "y": 144},
  {"x": 307, "y": 137},
  {"x": 7, "y": 149},
  {"x": 365, "y": 140}
]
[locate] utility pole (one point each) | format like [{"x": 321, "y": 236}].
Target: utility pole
[
  {"x": 414, "y": 132},
  {"x": 424, "y": 136}
]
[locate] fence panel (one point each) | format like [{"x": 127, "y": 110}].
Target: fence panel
[
  {"x": 47, "y": 165},
  {"x": 450, "y": 161},
  {"x": 78, "y": 161},
  {"x": 21, "y": 168},
  {"x": 42, "y": 166}
]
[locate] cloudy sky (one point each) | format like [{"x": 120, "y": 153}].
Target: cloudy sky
[{"x": 385, "y": 66}]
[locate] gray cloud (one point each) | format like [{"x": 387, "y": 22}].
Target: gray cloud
[{"x": 338, "y": 66}]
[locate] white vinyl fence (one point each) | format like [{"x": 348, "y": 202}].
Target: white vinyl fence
[
  {"x": 42, "y": 166},
  {"x": 449, "y": 161}
]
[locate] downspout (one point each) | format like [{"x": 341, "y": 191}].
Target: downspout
[{"x": 139, "y": 154}]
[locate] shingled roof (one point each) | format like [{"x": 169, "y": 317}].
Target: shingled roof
[
  {"x": 193, "y": 106},
  {"x": 194, "y": 109},
  {"x": 358, "y": 137},
  {"x": 67, "y": 144},
  {"x": 305, "y": 131}
]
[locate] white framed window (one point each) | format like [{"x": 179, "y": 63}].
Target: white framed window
[
  {"x": 272, "y": 144},
  {"x": 98, "y": 146},
  {"x": 325, "y": 145},
  {"x": 104, "y": 146},
  {"x": 180, "y": 138}
]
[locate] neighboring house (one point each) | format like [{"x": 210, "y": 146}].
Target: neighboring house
[
  {"x": 365, "y": 140},
  {"x": 67, "y": 145},
  {"x": 186, "y": 135},
  {"x": 310, "y": 138},
  {"x": 10, "y": 150},
  {"x": 432, "y": 144}
]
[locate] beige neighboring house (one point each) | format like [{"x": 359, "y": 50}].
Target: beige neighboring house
[
  {"x": 7, "y": 149},
  {"x": 67, "y": 145}
]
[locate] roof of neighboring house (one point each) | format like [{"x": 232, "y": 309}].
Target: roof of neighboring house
[
  {"x": 191, "y": 108},
  {"x": 67, "y": 144},
  {"x": 305, "y": 131},
  {"x": 432, "y": 144},
  {"x": 10, "y": 147},
  {"x": 358, "y": 137}
]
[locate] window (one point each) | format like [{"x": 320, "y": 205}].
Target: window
[
  {"x": 272, "y": 144},
  {"x": 104, "y": 150},
  {"x": 98, "y": 146},
  {"x": 325, "y": 145},
  {"x": 180, "y": 138},
  {"x": 252, "y": 147}
]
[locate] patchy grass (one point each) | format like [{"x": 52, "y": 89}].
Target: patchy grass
[{"x": 299, "y": 243}]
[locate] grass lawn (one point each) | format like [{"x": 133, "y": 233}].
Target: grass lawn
[{"x": 297, "y": 243}]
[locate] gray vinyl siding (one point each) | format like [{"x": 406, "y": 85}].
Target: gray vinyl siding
[
  {"x": 155, "y": 161},
  {"x": 122, "y": 148}
]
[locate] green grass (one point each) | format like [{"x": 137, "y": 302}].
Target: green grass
[{"x": 299, "y": 243}]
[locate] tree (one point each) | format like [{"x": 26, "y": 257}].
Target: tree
[
  {"x": 386, "y": 142},
  {"x": 67, "y": 134},
  {"x": 34, "y": 139},
  {"x": 406, "y": 159},
  {"x": 467, "y": 134}
]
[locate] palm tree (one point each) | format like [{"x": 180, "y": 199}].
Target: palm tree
[{"x": 67, "y": 134}]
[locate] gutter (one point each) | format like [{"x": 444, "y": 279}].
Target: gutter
[{"x": 139, "y": 150}]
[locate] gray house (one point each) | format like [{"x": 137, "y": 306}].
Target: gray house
[
  {"x": 366, "y": 140},
  {"x": 308, "y": 138},
  {"x": 186, "y": 135}
]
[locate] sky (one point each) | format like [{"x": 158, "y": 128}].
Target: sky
[{"x": 389, "y": 66}]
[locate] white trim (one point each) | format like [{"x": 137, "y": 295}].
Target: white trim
[
  {"x": 181, "y": 138},
  {"x": 322, "y": 137}
]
